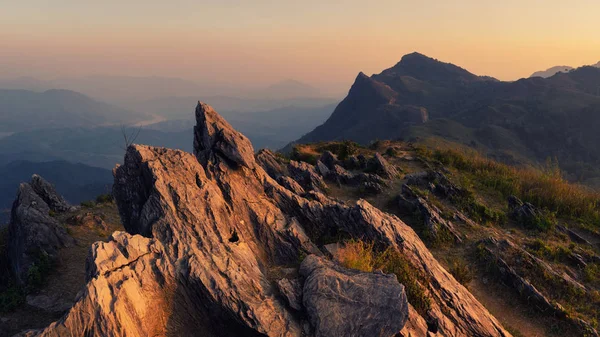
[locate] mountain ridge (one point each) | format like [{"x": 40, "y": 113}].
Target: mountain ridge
[{"x": 522, "y": 112}]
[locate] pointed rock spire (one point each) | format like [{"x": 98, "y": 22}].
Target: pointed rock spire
[{"x": 215, "y": 140}]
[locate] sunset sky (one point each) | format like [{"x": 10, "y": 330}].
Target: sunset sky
[{"x": 325, "y": 43}]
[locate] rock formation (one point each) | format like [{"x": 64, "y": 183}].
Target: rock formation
[
  {"x": 213, "y": 246},
  {"x": 34, "y": 236}
]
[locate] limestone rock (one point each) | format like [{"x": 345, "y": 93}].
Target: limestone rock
[
  {"x": 343, "y": 302},
  {"x": 433, "y": 221},
  {"x": 380, "y": 166},
  {"x": 48, "y": 193},
  {"x": 270, "y": 163},
  {"x": 215, "y": 138},
  {"x": 33, "y": 235},
  {"x": 523, "y": 212},
  {"x": 291, "y": 185},
  {"x": 292, "y": 291},
  {"x": 307, "y": 176},
  {"x": 329, "y": 159}
]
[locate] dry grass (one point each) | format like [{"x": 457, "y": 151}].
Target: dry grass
[
  {"x": 544, "y": 188},
  {"x": 363, "y": 256}
]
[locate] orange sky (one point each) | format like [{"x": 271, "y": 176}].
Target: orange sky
[{"x": 325, "y": 43}]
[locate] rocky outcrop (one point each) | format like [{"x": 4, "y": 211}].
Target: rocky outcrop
[
  {"x": 48, "y": 193},
  {"x": 270, "y": 163},
  {"x": 497, "y": 253},
  {"x": 33, "y": 235},
  {"x": 341, "y": 302},
  {"x": 434, "y": 223},
  {"x": 380, "y": 166},
  {"x": 523, "y": 212},
  {"x": 207, "y": 234},
  {"x": 307, "y": 176}
]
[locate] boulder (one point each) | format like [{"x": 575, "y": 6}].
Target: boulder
[{"x": 343, "y": 302}]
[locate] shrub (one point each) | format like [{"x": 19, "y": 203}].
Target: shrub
[
  {"x": 342, "y": 150},
  {"x": 87, "y": 204},
  {"x": 38, "y": 271},
  {"x": 461, "y": 271},
  {"x": 362, "y": 256},
  {"x": 299, "y": 155},
  {"x": 11, "y": 298},
  {"x": 104, "y": 198},
  {"x": 392, "y": 152}
]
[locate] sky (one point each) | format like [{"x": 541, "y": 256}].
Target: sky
[{"x": 324, "y": 43}]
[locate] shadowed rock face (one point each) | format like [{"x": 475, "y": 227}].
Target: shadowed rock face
[
  {"x": 32, "y": 233},
  {"x": 215, "y": 228}
]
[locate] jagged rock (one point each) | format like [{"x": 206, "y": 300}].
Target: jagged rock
[
  {"x": 270, "y": 163},
  {"x": 33, "y": 235},
  {"x": 342, "y": 302},
  {"x": 215, "y": 139},
  {"x": 369, "y": 183},
  {"x": 306, "y": 175},
  {"x": 329, "y": 159},
  {"x": 213, "y": 227},
  {"x": 573, "y": 235},
  {"x": 48, "y": 193},
  {"x": 436, "y": 182},
  {"x": 87, "y": 219},
  {"x": 322, "y": 169},
  {"x": 409, "y": 201},
  {"x": 380, "y": 166},
  {"x": 292, "y": 291},
  {"x": 523, "y": 212},
  {"x": 291, "y": 185}
]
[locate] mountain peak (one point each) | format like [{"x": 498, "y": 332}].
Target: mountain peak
[{"x": 425, "y": 68}]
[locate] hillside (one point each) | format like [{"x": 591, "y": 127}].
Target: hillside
[
  {"x": 23, "y": 110},
  {"x": 526, "y": 121},
  {"x": 525, "y": 242}
]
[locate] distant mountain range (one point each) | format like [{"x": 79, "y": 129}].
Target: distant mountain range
[
  {"x": 76, "y": 182},
  {"x": 526, "y": 121},
  {"x": 22, "y": 110},
  {"x": 554, "y": 70}
]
